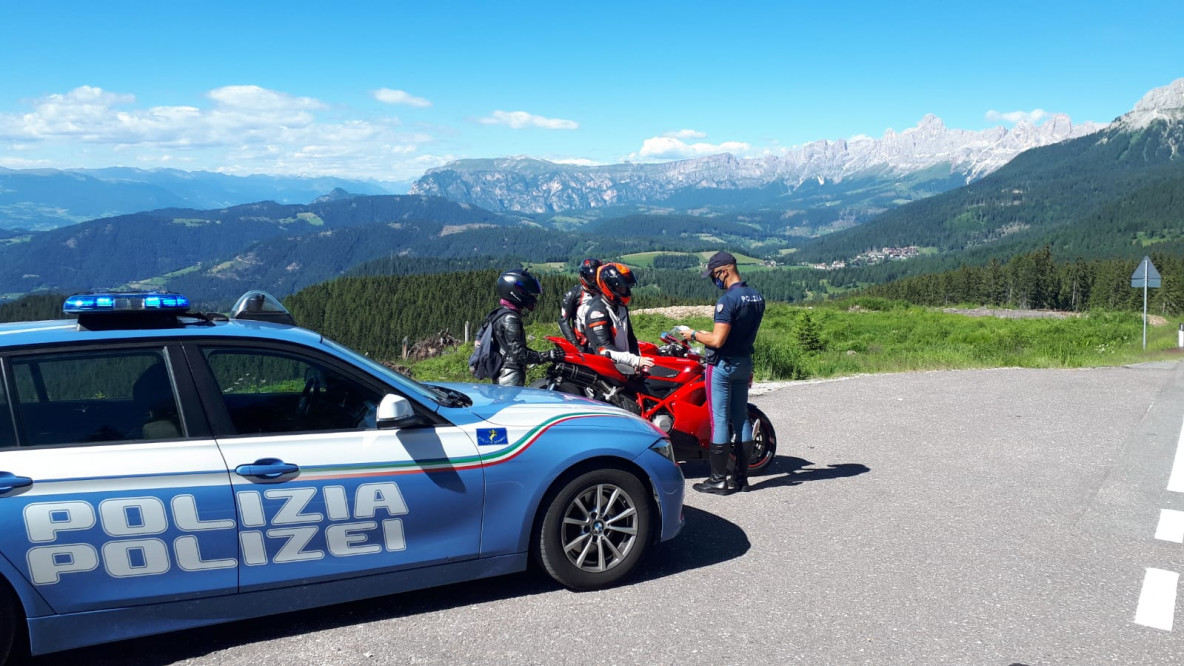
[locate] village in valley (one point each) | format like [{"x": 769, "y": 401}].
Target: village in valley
[{"x": 872, "y": 257}]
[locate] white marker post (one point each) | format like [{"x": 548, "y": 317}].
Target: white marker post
[{"x": 1145, "y": 276}]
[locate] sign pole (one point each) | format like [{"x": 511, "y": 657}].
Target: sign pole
[{"x": 1145, "y": 276}]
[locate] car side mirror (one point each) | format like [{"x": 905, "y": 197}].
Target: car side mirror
[{"x": 395, "y": 412}]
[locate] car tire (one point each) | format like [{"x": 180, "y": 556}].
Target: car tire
[
  {"x": 11, "y": 626},
  {"x": 596, "y": 529},
  {"x": 764, "y": 438}
]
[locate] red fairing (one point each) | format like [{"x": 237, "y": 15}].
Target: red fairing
[{"x": 672, "y": 393}]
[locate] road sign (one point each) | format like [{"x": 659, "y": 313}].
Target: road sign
[{"x": 1145, "y": 275}]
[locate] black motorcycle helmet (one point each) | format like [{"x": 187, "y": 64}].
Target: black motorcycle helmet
[
  {"x": 588, "y": 268},
  {"x": 520, "y": 288},
  {"x": 616, "y": 282}
]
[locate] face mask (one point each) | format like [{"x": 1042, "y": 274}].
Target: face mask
[{"x": 719, "y": 284}]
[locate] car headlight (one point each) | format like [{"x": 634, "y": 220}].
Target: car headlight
[{"x": 664, "y": 447}]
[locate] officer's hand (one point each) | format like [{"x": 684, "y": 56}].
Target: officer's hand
[{"x": 554, "y": 355}]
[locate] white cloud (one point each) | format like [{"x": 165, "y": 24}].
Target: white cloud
[
  {"x": 245, "y": 129},
  {"x": 520, "y": 119},
  {"x": 1034, "y": 116},
  {"x": 686, "y": 134},
  {"x": 671, "y": 148},
  {"x": 13, "y": 162},
  {"x": 399, "y": 97},
  {"x": 254, "y": 98}
]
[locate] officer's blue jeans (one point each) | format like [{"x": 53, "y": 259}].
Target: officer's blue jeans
[{"x": 727, "y": 393}]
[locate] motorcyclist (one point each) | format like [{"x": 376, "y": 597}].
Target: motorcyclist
[
  {"x": 517, "y": 290},
  {"x": 606, "y": 318},
  {"x": 570, "y": 323}
]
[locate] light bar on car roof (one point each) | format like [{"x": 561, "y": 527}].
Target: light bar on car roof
[{"x": 125, "y": 301}]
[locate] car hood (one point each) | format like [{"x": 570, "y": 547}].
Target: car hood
[{"x": 513, "y": 406}]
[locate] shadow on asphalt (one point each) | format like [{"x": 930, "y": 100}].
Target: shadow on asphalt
[
  {"x": 783, "y": 471},
  {"x": 706, "y": 539}
]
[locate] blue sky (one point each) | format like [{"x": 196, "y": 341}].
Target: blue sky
[{"x": 385, "y": 90}]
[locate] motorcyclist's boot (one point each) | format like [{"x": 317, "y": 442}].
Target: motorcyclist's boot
[
  {"x": 717, "y": 483},
  {"x": 739, "y": 481}
]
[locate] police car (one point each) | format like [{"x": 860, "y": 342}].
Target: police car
[{"x": 161, "y": 469}]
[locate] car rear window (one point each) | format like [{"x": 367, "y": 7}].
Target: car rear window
[
  {"x": 87, "y": 397},
  {"x": 7, "y": 435}
]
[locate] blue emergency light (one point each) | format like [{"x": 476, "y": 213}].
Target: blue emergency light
[{"x": 125, "y": 302}]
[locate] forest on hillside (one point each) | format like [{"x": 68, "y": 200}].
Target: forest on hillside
[
  {"x": 375, "y": 314},
  {"x": 1088, "y": 197},
  {"x": 1038, "y": 281}
]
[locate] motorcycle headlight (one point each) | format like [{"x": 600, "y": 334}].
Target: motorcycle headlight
[{"x": 665, "y": 448}]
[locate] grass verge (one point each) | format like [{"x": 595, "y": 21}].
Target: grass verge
[{"x": 876, "y": 336}]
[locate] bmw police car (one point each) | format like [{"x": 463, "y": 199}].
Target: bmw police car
[{"x": 161, "y": 469}]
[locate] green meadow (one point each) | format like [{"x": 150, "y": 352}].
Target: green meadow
[{"x": 870, "y": 335}]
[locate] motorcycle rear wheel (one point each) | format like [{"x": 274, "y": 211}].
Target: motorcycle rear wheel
[{"x": 764, "y": 437}]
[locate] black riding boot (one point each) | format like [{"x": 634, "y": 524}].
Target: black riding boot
[
  {"x": 717, "y": 483},
  {"x": 739, "y": 481}
]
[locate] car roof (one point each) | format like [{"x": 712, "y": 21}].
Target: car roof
[{"x": 67, "y": 331}]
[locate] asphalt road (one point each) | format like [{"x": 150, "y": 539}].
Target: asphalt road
[{"x": 973, "y": 517}]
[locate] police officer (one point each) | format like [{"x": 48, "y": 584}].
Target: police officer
[
  {"x": 518, "y": 291},
  {"x": 570, "y": 322},
  {"x": 729, "y": 344}
]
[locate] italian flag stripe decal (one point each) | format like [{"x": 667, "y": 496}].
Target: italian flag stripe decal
[{"x": 507, "y": 452}]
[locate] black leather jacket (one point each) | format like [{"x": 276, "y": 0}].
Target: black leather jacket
[
  {"x": 569, "y": 307},
  {"x": 511, "y": 341}
]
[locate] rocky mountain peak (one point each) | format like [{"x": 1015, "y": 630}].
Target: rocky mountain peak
[
  {"x": 336, "y": 195},
  {"x": 1166, "y": 103}
]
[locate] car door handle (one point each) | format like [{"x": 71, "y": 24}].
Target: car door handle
[
  {"x": 267, "y": 468},
  {"x": 10, "y": 482}
]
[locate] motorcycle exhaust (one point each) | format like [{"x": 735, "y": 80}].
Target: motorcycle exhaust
[{"x": 574, "y": 373}]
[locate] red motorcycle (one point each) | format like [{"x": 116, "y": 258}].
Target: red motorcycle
[{"x": 672, "y": 394}]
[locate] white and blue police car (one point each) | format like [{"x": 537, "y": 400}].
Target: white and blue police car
[{"x": 161, "y": 469}]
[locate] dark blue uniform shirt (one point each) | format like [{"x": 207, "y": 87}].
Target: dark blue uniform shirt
[{"x": 742, "y": 307}]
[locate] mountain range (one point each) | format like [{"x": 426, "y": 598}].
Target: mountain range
[
  {"x": 1112, "y": 191},
  {"x": 38, "y": 199},
  {"x": 855, "y": 178},
  {"x": 822, "y": 186}
]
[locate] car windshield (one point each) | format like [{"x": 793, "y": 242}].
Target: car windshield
[{"x": 405, "y": 384}]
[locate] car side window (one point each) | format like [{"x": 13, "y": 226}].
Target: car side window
[
  {"x": 87, "y": 396},
  {"x": 269, "y": 391}
]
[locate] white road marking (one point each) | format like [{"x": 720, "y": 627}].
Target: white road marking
[
  {"x": 1171, "y": 526},
  {"x": 1157, "y": 601},
  {"x": 1176, "y": 480}
]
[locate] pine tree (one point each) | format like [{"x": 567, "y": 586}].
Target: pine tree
[{"x": 807, "y": 334}]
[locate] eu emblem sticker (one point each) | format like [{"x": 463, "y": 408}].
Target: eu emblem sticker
[{"x": 492, "y": 437}]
